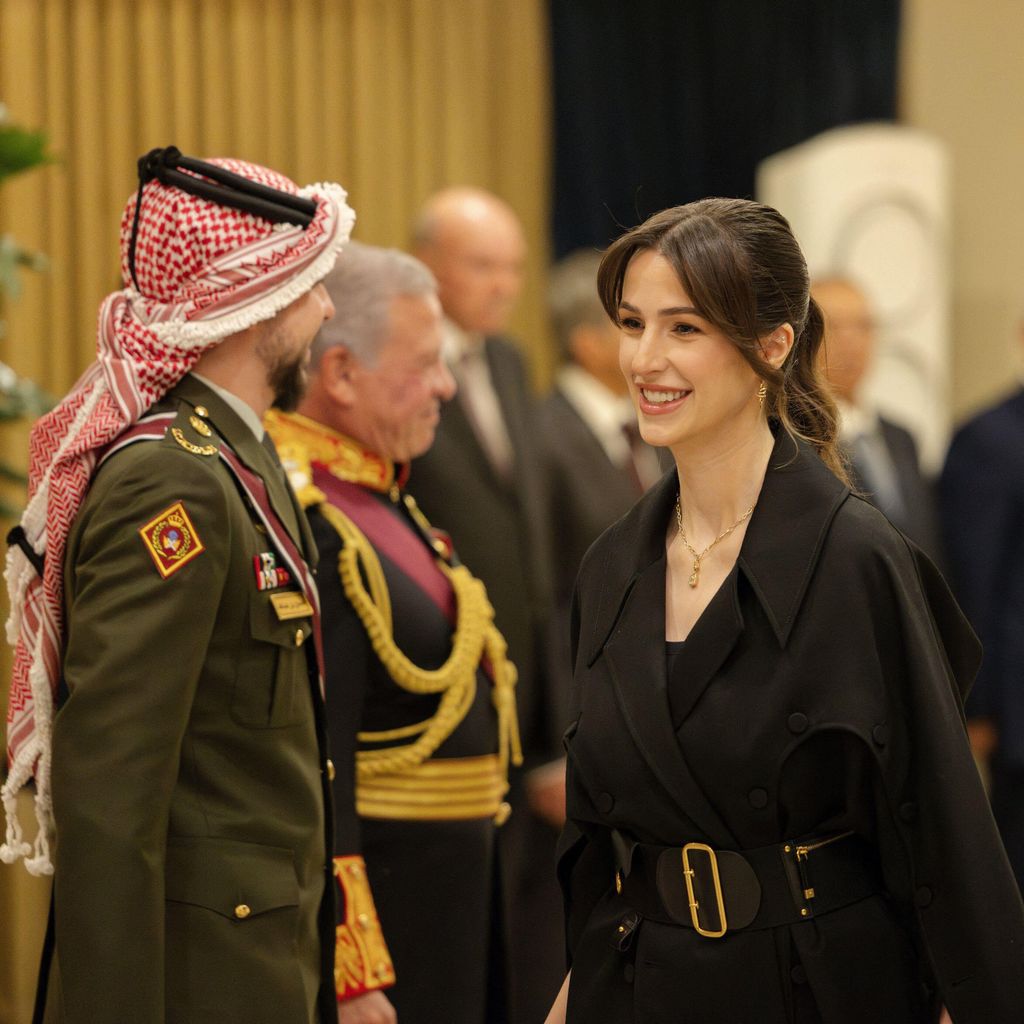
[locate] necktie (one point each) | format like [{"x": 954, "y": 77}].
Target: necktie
[
  {"x": 874, "y": 465},
  {"x": 632, "y": 434},
  {"x": 643, "y": 467},
  {"x": 480, "y": 402}
]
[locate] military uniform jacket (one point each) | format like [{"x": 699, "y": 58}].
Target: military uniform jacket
[
  {"x": 820, "y": 692},
  {"x": 415, "y": 843},
  {"x": 192, "y": 827}
]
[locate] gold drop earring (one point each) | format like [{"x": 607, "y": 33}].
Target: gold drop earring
[{"x": 762, "y": 394}]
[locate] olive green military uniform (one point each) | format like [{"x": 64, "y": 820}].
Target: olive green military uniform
[{"x": 189, "y": 773}]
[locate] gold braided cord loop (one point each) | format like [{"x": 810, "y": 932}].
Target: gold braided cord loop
[{"x": 474, "y": 637}]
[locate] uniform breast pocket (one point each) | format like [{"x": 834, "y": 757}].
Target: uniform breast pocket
[{"x": 272, "y": 677}]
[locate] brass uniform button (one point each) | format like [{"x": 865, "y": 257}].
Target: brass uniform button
[
  {"x": 242, "y": 911},
  {"x": 363, "y": 921},
  {"x": 355, "y": 871},
  {"x": 200, "y": 410},
  {"x": 504, "y": 812},
  {"x": 299, "y": 637},
  {"x": 382, "y": 971},
  {"x": 330, "y": 770}
]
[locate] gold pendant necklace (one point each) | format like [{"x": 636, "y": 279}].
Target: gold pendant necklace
[{"x": 697, "y": 558}]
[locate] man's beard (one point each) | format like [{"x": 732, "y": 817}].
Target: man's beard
[
  {"x": 288, "y": 382},
  {"x": 286, "y": 371}
]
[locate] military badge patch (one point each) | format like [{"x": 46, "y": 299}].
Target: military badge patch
[
  {"x": 269, "y": 575},
  {"x": 171, "y": 539}
]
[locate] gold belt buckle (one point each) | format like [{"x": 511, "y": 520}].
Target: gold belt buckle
[{"x": 694, "y": 905}]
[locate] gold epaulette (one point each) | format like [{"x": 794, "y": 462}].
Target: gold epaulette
[{"x": 362, "y": 962}]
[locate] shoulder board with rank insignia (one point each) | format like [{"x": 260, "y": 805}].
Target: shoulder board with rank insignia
[{"x": 171, "y": 539}]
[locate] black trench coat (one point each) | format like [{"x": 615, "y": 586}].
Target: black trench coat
[{"x": 821, "y": 691}]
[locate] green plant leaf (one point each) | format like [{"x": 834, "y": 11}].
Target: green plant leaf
[{"x": 21, "y": 149}]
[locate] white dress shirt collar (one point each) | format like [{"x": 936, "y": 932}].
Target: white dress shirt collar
[
  {"x": 604, "y": 412},
  {"x": 246, "y": 413}
]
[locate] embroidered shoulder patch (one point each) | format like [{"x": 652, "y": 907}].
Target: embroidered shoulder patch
[{"x": 171, "y": 539}]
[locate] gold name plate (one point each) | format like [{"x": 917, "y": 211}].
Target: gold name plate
[{"x": 291, "y": 605}]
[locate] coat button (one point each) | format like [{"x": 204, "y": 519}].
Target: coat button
[
  {"x": 797, "y": 722},
  {"x": 330, "y": 770},
  {"x": 242, "y": 911},
  {"x": 799, "y": 975},
  {"x": 880, "y": 734},
  {"x": 605, "y": 803},
  {"x": 908, "y": 812},
  {"x": 923, "y": 896},
  {"x": 758, "y": 798},
  {"x": 299, "y": 637}
]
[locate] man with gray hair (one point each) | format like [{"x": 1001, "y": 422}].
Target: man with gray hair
[
  {"x": 420, "y": 693},
  {"x": 597, "y": 463}
]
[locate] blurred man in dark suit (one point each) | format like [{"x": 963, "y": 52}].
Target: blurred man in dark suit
[
  {"x": 484, "y": 480},
  {"x": 597, "y": 462},
  {"x": 981, "y": 495},
  {"x": 882, "y": 455}
]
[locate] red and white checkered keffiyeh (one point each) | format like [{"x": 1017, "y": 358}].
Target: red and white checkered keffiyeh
[{"x": 203, "y": 272}]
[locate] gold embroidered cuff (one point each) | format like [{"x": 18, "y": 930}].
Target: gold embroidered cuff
[{"x": 361, "y": 958}]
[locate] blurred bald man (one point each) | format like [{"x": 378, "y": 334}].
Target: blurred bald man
[
  {"x": 882, "y": 455},
  {"x": 484, "y": 479}
]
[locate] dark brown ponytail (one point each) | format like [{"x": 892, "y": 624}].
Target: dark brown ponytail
[
  {"x": 804, "y": 405},
  {"x": 744, "y": 272}
]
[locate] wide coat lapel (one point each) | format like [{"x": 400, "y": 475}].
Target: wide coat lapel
[
  {"x": 460, "y": 435},
  {"x": 627, "y": 632},
  {"x": 635, "y": 655}
]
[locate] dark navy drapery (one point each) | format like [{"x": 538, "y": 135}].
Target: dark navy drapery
[{"x": 658, "y": 102}]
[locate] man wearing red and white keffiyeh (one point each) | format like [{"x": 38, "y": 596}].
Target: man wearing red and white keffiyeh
[{"x": 221, "y": 262}]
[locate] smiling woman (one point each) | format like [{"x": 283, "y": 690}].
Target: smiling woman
[
  {"x": 768, "y": 775},
  {"x": 730, "y": 273}
]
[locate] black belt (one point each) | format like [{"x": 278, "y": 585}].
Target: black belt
[{"x": 719, "y": 891}]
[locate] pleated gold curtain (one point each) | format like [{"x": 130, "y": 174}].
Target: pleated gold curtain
[{"x": 393, "y": 98}]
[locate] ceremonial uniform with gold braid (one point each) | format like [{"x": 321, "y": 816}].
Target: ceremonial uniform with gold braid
[{"x": 421, "y": 708}]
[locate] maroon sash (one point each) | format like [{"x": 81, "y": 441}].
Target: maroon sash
[
  {"x": 154, "y": 428},
  {"x": 393, "y": 538}
]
